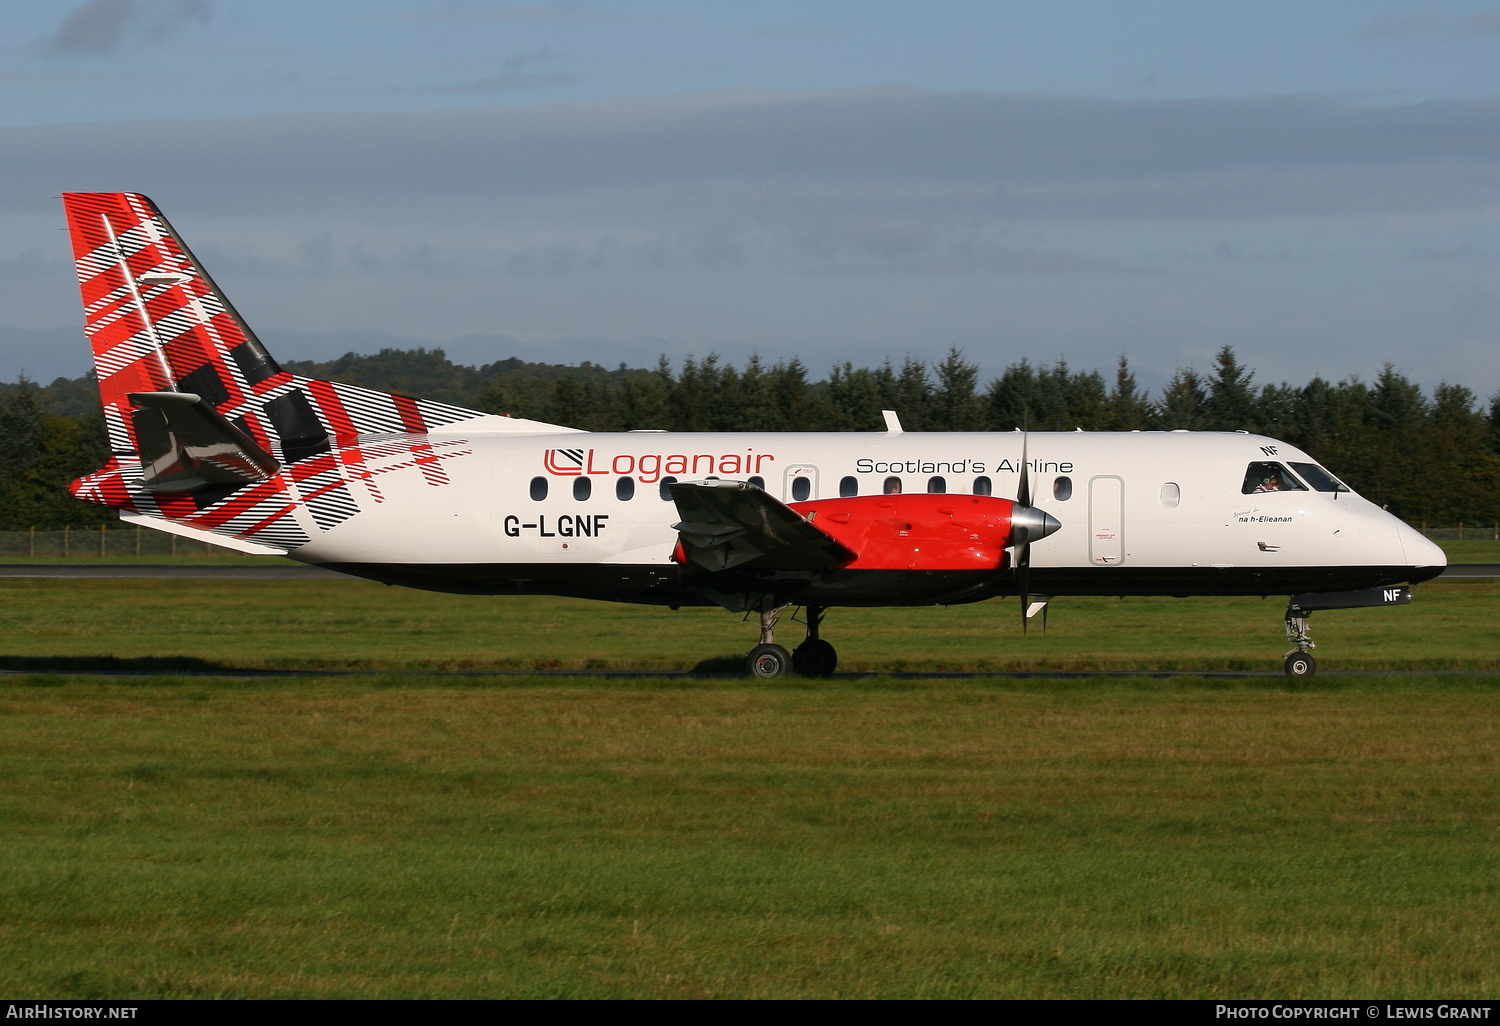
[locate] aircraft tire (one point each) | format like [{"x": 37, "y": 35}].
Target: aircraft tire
[
  {"x": 815, "y": 658},
  {"x": 766, "y": 661},
  {"x": 1300, "y": 664}
]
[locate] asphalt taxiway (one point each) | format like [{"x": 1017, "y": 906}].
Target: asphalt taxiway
[{"x": 299, "y": 572}]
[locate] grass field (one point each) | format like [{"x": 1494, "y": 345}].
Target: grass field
[
  {"x": 417, "y": 835},
  {"x": 1470, "y": 551},
  {"x": 364, "y": 837},
  {"x": 352, "y": 624}
]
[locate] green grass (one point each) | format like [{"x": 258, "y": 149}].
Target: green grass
[
  {"x": 533, "y": 837},
  {"x": 1470, "y": 551},
  {"x": 352, "y": 624}
]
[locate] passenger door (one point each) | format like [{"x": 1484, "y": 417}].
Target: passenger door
[{"x": 1106, "y": 520}]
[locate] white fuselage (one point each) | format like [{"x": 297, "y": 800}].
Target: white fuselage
[{"x": 1129, "y": 502}]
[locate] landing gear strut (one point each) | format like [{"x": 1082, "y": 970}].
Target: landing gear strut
[
  {"x": 768, "y": 659},
  {"x": 1298, "y": 663},
  {"x": 814, "y": 657}
]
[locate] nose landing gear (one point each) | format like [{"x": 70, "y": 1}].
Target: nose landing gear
[
  {"x": 813, "y": 658},
  {"x": 1298, "y": 663}
]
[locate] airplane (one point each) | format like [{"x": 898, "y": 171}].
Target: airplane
[{"x": 213, "y": 440}]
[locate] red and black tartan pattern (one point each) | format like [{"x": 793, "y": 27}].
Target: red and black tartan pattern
[{"x": 157, "y": 323}]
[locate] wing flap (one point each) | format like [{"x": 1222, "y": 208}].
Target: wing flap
[{"x": 728, "y": 524}]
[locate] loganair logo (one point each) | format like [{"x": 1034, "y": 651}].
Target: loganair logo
[
  {"x": 652, "y": 466},
  {"x": 565, "y": 462}
]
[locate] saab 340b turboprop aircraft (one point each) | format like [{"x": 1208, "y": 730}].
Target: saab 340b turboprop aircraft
[{"x": 213, "y": 440}]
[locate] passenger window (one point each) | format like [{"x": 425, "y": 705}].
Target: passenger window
[
  {"x": 1319, "y": 478},
  {"x": 759, "y": 482},
  {"x": 583, "y": 487},
  {"x": 801, "y": 488},
  {"x": 982, "y": 486},
  {"x": 539, "y": 488},
  {"x": 848, "y": 486},
  {"x": 1062, "y": 489},
  {"x": 936, "y": 485},
  {"x": 1270, "y": 477},
  {"x": 625, "y": 489},
  {"x": 892, "y": 486},
  {"x": 1171, "y": 495},
  {"x": 666, "y": 488}
]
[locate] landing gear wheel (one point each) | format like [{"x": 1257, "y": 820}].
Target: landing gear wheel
[
  {"x": 1300, "y": 664},
  {"x": 815, "y": 658},
  {"x": 768, "y": 661}
]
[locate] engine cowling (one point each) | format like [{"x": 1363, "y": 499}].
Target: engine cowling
[{"x": 926, "y": 531}]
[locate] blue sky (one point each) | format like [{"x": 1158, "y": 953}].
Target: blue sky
[{"x": 1316, "y": 183}]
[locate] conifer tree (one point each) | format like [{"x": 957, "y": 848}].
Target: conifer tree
[
  {"x": 1128, "y": 408},
  {"x": 955, "y": 403},
  {"x": 1230, "y": 403},
  {"x": 1182, "y": 402}
]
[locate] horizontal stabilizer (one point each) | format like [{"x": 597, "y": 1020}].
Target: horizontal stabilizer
[
  {"x": 185, "y": 444},
  {"x": 182, "y": 530},
  {"x": 728, "y": 523}
]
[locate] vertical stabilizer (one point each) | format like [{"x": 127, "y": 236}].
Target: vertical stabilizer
[
  {"x": 207, "y": 430},
  {"x": 155, "y": 319}
]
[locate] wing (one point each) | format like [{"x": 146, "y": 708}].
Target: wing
[{"x": 729, "y": 523}]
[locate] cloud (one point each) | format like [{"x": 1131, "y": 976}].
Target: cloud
[
  {"x": 102, "y": 26},
  {"x": 169, "y": 17},
  {"x": 537, "y": 14},
  {"x": 1404, "y": 23},
  {"x": 98, "y": 27},
  {"x": 1480, "y": 23},
  {"x": 507, "y": 80},
  {"x": 1411, "y": 23},
  {"x": 515, "y": 76},
  {"x": 799, "y": 158},
  {"x": 802, "y": 222}
]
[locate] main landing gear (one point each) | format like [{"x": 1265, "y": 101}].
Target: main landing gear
[{"x": 813, "y": 658}]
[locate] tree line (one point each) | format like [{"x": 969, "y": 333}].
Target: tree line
[{"x": 1429, "y": 458}]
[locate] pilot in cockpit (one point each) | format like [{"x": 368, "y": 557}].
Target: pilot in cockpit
[{"x": 1267, "y": 477}]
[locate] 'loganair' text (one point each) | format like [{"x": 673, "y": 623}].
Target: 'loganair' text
[{"x": 650, "y": 468}]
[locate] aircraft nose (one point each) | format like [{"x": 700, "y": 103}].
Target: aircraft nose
[
  {"x": 1029, "y": 524},
  {"x": 1420, "y": 550}
]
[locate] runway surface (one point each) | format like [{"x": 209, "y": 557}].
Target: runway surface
[
  {"x": 172, "y": 571},
  {"x": 297, "y": 572},
  {"x": 737, "y": 676}
]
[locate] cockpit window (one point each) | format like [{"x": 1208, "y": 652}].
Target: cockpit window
[
  {"x": 1270, "y": 477},
  {"x": 1319, "y": 478}
]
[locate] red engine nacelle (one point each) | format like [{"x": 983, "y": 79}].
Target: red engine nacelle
[{"x": 916, "y": 532}]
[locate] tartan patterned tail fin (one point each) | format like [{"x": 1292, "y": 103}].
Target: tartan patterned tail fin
[
  {"x": 207, "y": 430},
  {"x": 158, "y": 323},
  {"x": 155, "y": 319}
]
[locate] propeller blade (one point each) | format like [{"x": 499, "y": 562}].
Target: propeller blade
[
  {"x": 1023, "y": 494},
  {"x": 1023, "y": 550}
]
